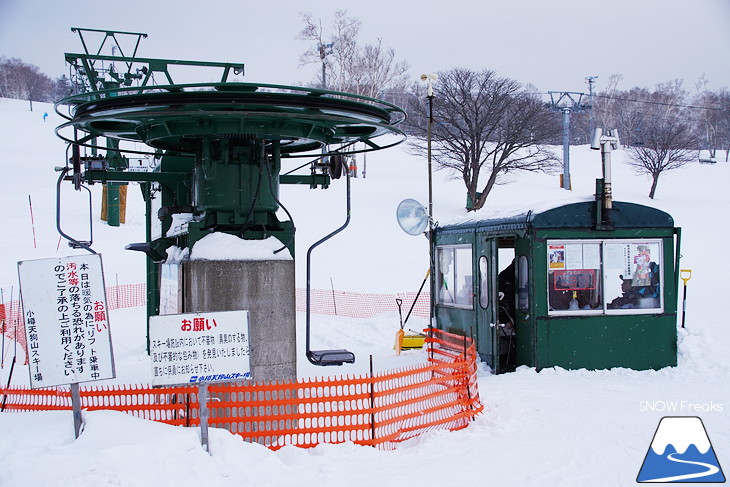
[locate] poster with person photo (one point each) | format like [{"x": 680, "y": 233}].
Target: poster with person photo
[{"x": 556, "y": 256}]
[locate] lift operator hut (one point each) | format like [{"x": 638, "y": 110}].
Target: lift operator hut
[{"x": 563, "y": 287}]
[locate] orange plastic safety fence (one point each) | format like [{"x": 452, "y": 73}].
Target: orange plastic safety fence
[
  {"x": 126, "y": 296},
  {"x": 12, "y": 327},
  {"x": 170, "y": 405},
  {"x": 381, "y": 410}
]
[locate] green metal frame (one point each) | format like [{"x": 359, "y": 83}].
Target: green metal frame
[
  {"x": 138, "y": 69},
  {"x": 220, "y": 145}
]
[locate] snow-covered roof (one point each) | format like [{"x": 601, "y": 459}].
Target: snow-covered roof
[{"x": 579, "y": 213}]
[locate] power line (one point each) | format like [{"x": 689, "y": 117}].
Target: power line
[{"x": 667, "y": 104}]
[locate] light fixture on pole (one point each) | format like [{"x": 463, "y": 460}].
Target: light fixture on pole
[
  {"x": 591, "y": 80},
  {"x": 324, "y": 51},
  {"x": 412, "y": 217},
  {"x": 429, "y": 79}
]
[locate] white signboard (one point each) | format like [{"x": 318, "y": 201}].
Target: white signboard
[
  {"x": 170, "y": 301},
  {"x": 66, "y": 320},
  {"x": 199, "y": 347}
]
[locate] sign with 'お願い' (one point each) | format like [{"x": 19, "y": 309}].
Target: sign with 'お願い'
[
  {"x": 199, "y": 347},
  {"x": 66, "y": 320}
]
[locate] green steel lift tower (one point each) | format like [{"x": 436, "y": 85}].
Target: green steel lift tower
[{"x": 219, "y": 146}]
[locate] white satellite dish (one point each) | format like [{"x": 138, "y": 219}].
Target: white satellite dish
[{"x": 412, "y": 217}]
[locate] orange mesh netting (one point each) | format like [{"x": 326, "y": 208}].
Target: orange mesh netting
[
  {"x": 341, "y": 303},
  {"x": 379, "y": 410}
]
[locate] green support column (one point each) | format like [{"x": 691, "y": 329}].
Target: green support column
[
  {"x": 116, "y": 162},
  {"x": 112, "y": 204}
]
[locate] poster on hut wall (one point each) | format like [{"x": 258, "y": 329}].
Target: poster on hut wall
[
  {"x": 556, "y": 256},
  {"x": 591, "y": 255},
  {"x": 574, "y": 256}
]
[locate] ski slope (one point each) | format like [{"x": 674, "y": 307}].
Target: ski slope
[{"x": 556, "y": 427}]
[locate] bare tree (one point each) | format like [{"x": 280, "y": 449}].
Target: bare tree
[
  {"x": 24, "y": 81},
  {"x": 723, "y": 122},
  {"x": 605, "y": 103},
  {"x": 713, "y": 121},
  {"x": 664, "y": 149},
  {"x": 663, "y": 136},
  {"x": 62, "y": 88},
  {"x": 377, "y": 70},
  {"x": 368, "y": 70},
  {"x": 485, "y": 125}
]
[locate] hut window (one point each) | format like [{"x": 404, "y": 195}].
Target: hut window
[
  {"x": 455, "y": 276},
  {"x": 574, "y": 276},
  {"x": 523, "y": 294},
  {"x": 633, "y": 275},
  {"x": 483, "y": 282},
  {"x": 604, "y": 276}
]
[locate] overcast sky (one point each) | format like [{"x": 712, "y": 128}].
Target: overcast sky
[{"x": 553, "y": 44}]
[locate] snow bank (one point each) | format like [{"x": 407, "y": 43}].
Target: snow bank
[{"x": 224, "y": 246}]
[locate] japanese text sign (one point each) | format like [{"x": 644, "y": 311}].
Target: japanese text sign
[
  {"x": 66, "y": 320},
  {"x": 199, "y": 347}
]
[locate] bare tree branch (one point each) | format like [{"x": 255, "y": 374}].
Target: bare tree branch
[
  {"x": 485, "y": 125},
  {"x": 24, "y": 81},
  {"x": 368, "y": 70},
  {"x": 662, "y": 135}
]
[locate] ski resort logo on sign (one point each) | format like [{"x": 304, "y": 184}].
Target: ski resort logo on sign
[{"x": 681, "y": 452}]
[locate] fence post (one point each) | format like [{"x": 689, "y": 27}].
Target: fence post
[
  {"x": 76, "y": 406},
  {"x": 467, "y": 372},
  {"x": 372, "y": 402},
  {"x": 203, "y": 414}
]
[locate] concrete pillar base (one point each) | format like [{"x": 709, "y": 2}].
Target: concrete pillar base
[{"x": 266, "y": 288}]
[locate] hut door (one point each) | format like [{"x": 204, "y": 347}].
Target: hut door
[{"x": 486, "y": 328}]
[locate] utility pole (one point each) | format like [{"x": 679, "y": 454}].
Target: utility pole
[
  {"x": 324, "y": 50},
  {"x": 591, "y": 80},
  {"x": 429, "y": 79},
  {"x": 566, "y": 102}
]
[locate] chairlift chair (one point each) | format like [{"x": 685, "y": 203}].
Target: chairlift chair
[{"x": 338, "y": 356}]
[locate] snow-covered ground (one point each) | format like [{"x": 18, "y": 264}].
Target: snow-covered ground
[{"x": 556, "y": 427}]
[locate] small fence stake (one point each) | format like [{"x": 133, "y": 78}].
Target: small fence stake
[
  {"x": 76, "y": 407},
  {"x": 468, "y": 374},
  {"x": 10, "y": 377},
  {"x": 372, "y": 402},
  {"x": 32, "y": 222},
  {"x": 334, "y": 301},
  {"x": 15, "y": 354},
  {"x": 3, "y": 317}
]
